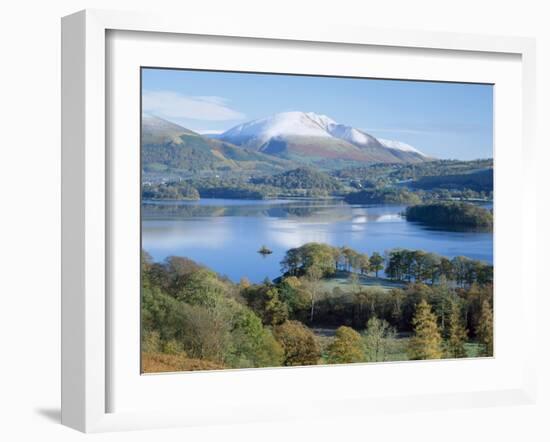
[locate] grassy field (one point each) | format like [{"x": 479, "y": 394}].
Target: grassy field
[{"x": 341, "y": 279}]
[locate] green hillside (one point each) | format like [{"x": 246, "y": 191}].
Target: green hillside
[
  {"x": 301, "y": 178},
  {"x": 481, "y": 180},
  {"x": 169, "y": 149}
]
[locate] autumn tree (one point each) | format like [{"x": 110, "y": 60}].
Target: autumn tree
[
  {"x": 484, "y": 329},
  {"x": 349, "y": 257},
  {"x": 276, "y": 312},
  {"x": 346, "y": 347},
  {"x": 377, "y": 337},
  {"x": 299, "y": 344},
  {"x": 244, "y": 283},
  {"x": 426, "y": 342},
  {"x": 363, "y": 263},
  {"x": 299, "y": 260},
  {"x": 457, "y": 333}
]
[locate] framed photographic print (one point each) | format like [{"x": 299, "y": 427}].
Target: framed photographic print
[{"x": 251, "y": 214}]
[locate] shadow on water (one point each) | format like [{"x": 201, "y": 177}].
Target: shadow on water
[{"x": 455, "y": 229}]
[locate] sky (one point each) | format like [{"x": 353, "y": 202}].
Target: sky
[{"x": 443, "y": 120}]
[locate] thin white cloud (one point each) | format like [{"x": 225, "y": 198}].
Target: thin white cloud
[
  {"x": 431, "y": 128},
  {"x": 213, "y": 99},
  {"x": 172, "y": 105},
  {"x": 403, "y": 131}
]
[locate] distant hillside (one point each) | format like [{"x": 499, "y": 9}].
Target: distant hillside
[
  {"x": 171, "y": 149},
  {"x": 383, "y": 196},
  {"x": 481, "y": 180},
  {"x": 301, "y": 178}
]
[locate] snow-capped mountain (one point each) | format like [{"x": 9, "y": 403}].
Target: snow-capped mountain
[
  {"x": 399, "y": 145},
  {"x": 314, "y": 138},
  {"x": 280, "y": 125}
]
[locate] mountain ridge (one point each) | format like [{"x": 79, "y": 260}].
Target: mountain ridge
[
  {"x": 266, "y": 146},
  {"x": 306, "y": 135}
]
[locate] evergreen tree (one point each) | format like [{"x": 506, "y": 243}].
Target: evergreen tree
[
  {"x": 376, "y": 263},
  {"x": 426, "y": 342},
  {"x": 457, "y": 334},
  {"x": 485, "y": 328}
]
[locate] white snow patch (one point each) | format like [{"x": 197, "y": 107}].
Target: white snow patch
[
  {"x": 399, "y": 145},
  {"x": 281, "y": 125}
]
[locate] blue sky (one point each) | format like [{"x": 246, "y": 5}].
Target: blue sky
[{"x": 444, "y": 120}]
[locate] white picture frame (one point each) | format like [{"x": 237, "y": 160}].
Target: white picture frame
[{"x": 87, "y": 210}]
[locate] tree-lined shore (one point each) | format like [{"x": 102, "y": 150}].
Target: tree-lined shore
[
  {"x": 437, "y": 180},
  {"x": 432, "y": 307}
]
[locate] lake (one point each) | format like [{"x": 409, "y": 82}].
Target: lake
[{"x": 225, "y": 235}]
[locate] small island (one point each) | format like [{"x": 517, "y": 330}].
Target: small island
[
  {"x": 265, "y": 251},
  {"x": 451, "y": 214}
]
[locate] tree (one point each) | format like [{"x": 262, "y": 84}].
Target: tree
[
  {"x": 346, "y": 347},
  {"x": 457, "y": 333},
  {"x": 363, "y": 263},
  {"x": 276, "y": 312},
  {"x": 199, "y": 287},
  {"x": 484, "y": 329},
  {"x": 180, "y": 266},
  {"x": 395, "y": 264},
  {"x": 349, "y": 256},
  {"x": 206, "y": 331},
  {"x": 299, "y": 344},
  {"x": 376, "y": 263},
  {"x": 252, "y": 344},
  {"x": 299, "y": 260},
  {"x": 244, "y": 282},
  {"x": 460, "y": 269},
  {"x": 419, "y": 265},
  {"x": 441, "y": 299},
  {"x": 426, "y": 342},
  {"x": 432, "y": 266},
  {"x": 474, "y": 296},
  {"x": 445, "y": 268},
  {"x": 264, "y": 299},
  {"x": 377, "y": 337},
  {"x": 291, "y": 262},
  {"x": 294, "y": 294},
  {"x": 313, "y": 277}
]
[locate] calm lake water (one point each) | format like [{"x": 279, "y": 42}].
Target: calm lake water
[{"x": 225, "y": 235}]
